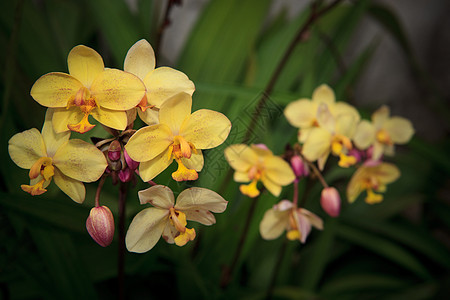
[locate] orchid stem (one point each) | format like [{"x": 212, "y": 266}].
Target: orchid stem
[
  {"x": 121, "y": 253},
  {"x": 228, "y": 271},
  {"x": 295, "y": 196},
  {"x": 99, "y": 189},
  {"x": 276, "y": 271}
]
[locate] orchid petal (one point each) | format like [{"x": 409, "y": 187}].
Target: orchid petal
[
  {"x": 52, "y": 139},
  {"x": 240, "y": 157},
  {"x": 400, "y": 129},
  {"x": 55, "y": 89},
  {"x": 149, "y": 116},
  {"x": 206, "y": 129},
  {"x": 195, "y": 162},
  {"x": 278, "y": 170},
  {"x": 364, "y": 135},
  {"x": 301, "y": 113},
  {"x": 85, "y": 64},
  {"x": 140, "y": 59},
  {"x": 241, "y": 176},
  {"x": 175, "y": 110},
  {"x": 71, "y": 187},
  {"x": 273, "y": 187},
  {"x": 111, "y": 118},
  {"x": 317, "y": 144},
  {"x": 200, "y": 199},
  {"x": 323, "y": 94},
  {"x": 80, "y": 160},
  {"x": 62, "y": 117},
  {"x": 159, "y": 196},
  {"x": 148, "y": 142},
  {"x": 145, "y": 230},
  {"x": 273, "y": 224},
  {"x": 152, "y": 168},
  {"x": 26, "y": 148},
  {"x": 380, "y": 116}
]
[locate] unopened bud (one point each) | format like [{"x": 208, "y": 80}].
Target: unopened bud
[
  {"x": 126, "y": 175},
  {"x": 114, "y": 150},
  {"x": 331, "y": 201},
  {"x": 299, "y": 167},
  {"x": 130, "y": 162},
  {"x": 100, "y": 225}
]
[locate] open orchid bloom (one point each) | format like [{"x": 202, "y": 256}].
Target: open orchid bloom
[
  {"x": 383, "y": 133},
  {"x": 50, "y": 155},
  {"x": 371, "y": 179},
  {"x": 333, "y": 135},
  {"x": 161, "y": 83},
  {"x": 284, "y": 216},
  {"x": 257, "y": 163},
  {"x": 179, "y": 135},
  {"x": 304, "y": 113},
  {"x": 88, "y": 89},
  {"x": 168, "y": 220}
]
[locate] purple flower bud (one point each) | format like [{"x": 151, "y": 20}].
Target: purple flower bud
[
  {"x": 133, "y": 165},
  {"x": 331, "y": 201},
  {"x": 126, "y": 175},
  {"x": 100, "y": 225},
  {"x": 299, "y": 167}
]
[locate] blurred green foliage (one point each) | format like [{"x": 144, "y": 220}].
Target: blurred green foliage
[{"x": 394, "y": 250}]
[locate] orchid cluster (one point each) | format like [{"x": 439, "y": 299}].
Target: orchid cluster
[
  {"x": 162, "y": 98},
  {"x": 326, "y": 127}
]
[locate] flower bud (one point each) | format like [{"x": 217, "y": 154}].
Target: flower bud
[
  {"x": 133, "y": 165},
  {"x": 331, "y": 201},
  {"x": 126, "y": 175},
  {"x": 100, "y": 225},
  {"x": 299, "y": 167},
  {"x": 114, "y": 150}
]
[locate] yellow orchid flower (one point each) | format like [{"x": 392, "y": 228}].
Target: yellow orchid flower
[
  {"x": 161, "y": 83},
  {"x": 371, "y": 178},
  {"x": 52, "y": 155},
  {"x": 333, "y": 135},
  {"x": 303, "y": 113},
  {"x": 383, "y": 132},
  {"x": 88, "y": 89},
  {"x": 168, "y": 220},
  {"x": 257, "y": 163},
  {"x": 284, "y": 216},
  {"x": 179, "y": 135}
]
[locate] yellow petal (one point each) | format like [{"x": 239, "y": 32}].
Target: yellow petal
[
  {"x": 26, "y": 148},
  {"x": 63, "y": 117},
  {"x": 273, "y": 224},
  {"x": 149, "y": 142},
  {"x": 195, "y": 162},
  {"x": 400, "y": 129},
  {"x": 241, "y": 176},
  {"x": 323, "y": 159},
  {"x": 140, "y": 59},
  {"x": 380, "y": 116},
  {"x": 250, "y": 190},
  {"x": 301, "y": 113},
  {"x": 71, "y": 187},
  {"x": 146, "y": 229},
  {"x": 364, "y": 135},
  {"x": 117, "y": 90},
  {"x": 273, "y": 187},
  {"x": 240, "y": 157},
  {"x": 150, "y": 169},
  {"x": 200, "y": 199},
  {"x": 278, "y": 170},
  {"x": 344, "y": 108},
  {"x": 325, "y": 119},
  {"x": 175, "y": 110},
  {"x": 315, "y": 220},
  {"x": 85, "y": 64},
  {"x": 323, "y": 94},
  {"x": 149, "y": 116},
  {"x": 386, "y": 173},
  {"x": 165, "y": 82},
  {"x": 55, "y": 89},
  {"x": 80, "y": 160},
  {"x": 346, "y": 125},
  {"x": 377, "y": 151},
  {"x": 159, "y": 196},
  {"x": 206, "y": 129},
  {"x": 169, "y": 233},
  {"x": 52, "y": 139},
  {"x": 317, "y": 144},
  {"x": 111, "y": 118}
]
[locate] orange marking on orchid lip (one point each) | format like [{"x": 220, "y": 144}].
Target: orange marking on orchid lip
[
  {"x": 383, "y": 137},
  {"x": 38, "y": 166},
  {"x": 36, "y": 189},
  {"x": 183, "y": 173},
  {"x": 143, "y": 104},
  {"x": 83, "y": 126},
  {"x": 178, "y": 220}
]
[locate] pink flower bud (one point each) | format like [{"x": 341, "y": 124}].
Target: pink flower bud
[
  {"x": 331, "y": 201},
  {"x": 126, "y": 175},
  {"x": 114, "y": 150},
  {"x": 261, "y": 146},
  {"x": 100, "y": 225},
  {"x": 299, "y": 167},
  {"x": 133, "y": 165}
]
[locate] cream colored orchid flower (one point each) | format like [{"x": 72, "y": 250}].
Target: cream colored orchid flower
[
  {"x": 52, "y": 155},
  {"x": 333, "y": 135},
  {"x": 161, "y": 83},
  {"x": 370, "y": 179},
  {"x": 88, "y": 89},
  {"x": 383, "y": 132},
  {"x": 303, "y": 113},
  {"x": 168, "y": 220},
  {"x": 257, "y": 163},
  {"x": 284, "y": 216},
  {"x": 179, "y": 135}
]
